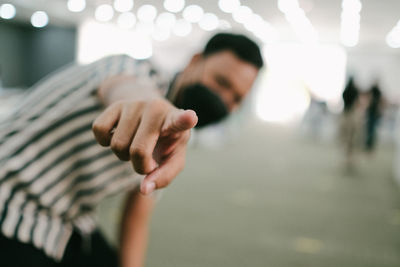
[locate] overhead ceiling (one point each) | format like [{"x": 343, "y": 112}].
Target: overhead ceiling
[{"x": 378, "y": 17}]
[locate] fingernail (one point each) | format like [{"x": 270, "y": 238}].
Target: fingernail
[{"x": 150, "y": 187}]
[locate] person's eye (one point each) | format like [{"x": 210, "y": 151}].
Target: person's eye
[{"x": 222, "y": 82}]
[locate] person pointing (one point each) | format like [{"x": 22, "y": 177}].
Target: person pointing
[{"x": 89, "y": 131}]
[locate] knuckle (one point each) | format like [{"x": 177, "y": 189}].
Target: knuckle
[
  {"x": 157, "y": 106},
  {"x": 157, "y": 102},
  {"x": 118, "y": 146},
  {"x": 139, "y": 103},
  {"x": 137, "y": 153},
  {"x": 98, "y": 127},
  {"x": 100, "y": 134},
  {"x": 138, "y": 156}
]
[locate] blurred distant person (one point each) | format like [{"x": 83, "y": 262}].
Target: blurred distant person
[
  {"x": 57, "y": 149},
  {"x": 351, "y": 122},
  {"x": 373, "y": 115}
]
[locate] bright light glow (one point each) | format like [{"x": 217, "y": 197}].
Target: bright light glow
[
  {"x": 193, "y": 13},
  {"x": 352, "y": 6},
  {"x": 288, "y": 6},
  {"x": 298, "y": 21},
  {"x": 104, "y": 13},
  {"x": 393, "y": 37},
  {"x": 96, "y": 40},
  {"x": 7, "y": 11},
  {"x": 266, "y": 32},
  {"x": 228, "y": 6},
  {"x": 76, "y": 5},
  {"x": 123, "y": 5},
  {"x": 392, "y": 41},
  {"x": 242, "y": 14},
  {"x": 143, "y": 47},
  {"x": 161, "y": 34},
  {"x": 145, "y": 28},
  {"x": 294, "y": 73},
  {"x": 224, "y": 25},
  {"x": 350, "y": 22},
  {"x": 147, "y": 13},
  {"x": 126, "y": 20},
  {"x": 182, "y": 28},
  {"x": 174, "y": 6},
  {"x": 209, "y": 22},
  {"x": 166, "y": 20},
  {"x": 253, "y": 23},
  {"x": 39, "y": 19}
]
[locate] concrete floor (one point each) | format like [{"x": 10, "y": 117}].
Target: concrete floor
[{"x": 273, "y": 198}]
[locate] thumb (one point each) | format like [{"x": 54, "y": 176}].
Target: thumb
[{"x": 179, "y": 120}]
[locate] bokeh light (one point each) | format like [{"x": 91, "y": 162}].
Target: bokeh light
[
  {"x": 174, "y": 6},
  {"x": 76, "y": 5},
  {"x": 39, "y": 19},
  {"x": 123, "y": 5},
  {"x": 7, "y": 11},
  {"x": 209, "y": 22},
  {"x": 104, "y": 13},
  {"x": 126, "y": 20},
  {"x": 147, "y": 13},
  {"x": 193, "y": 13}
]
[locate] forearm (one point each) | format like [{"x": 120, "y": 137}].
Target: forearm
[
  {"x": 127, "y": 87},
  {"x": 135, "y": 229}
]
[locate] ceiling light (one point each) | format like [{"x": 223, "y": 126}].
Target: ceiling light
[
  {"x": 392, "y": 41},
  {"x": 174, "y": 6},
  {"x": 7, "y": 11},
  {"x": 209, "y": 22},
  {"x": 160, "y": 34},
  {"x": 266, "y": 33},
  {"x": 352, "y": 5},
  {"x": 193, "y": 13},
  {"x": 126, "y": 20},
  {"x": 298, "y": 20},
  {"x": 123, "y": 5},
  {"x": 350, "y": 22},
  {"x": 254, "y": 22},
  {"x": 288, "y": 6},
  {"x": 145, "y": 28},
  {"x": 166, "y": 20},
  {"x": 76, "y": 5},
  {"x": 39, "y": 19},
  {"x": 182, "y": 28},
  {"x": 104, "y": 13},
  {"x": 242, "y": 14},
  {"x": 393, "y": 37},
  {"x": 147, "y": 13},
  {"x": 228, "y": 6}
]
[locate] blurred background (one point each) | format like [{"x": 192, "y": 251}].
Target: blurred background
[{"x": 306, "y": 173}]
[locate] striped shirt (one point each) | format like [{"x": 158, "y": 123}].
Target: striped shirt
[{"x": 52, "y": 171}]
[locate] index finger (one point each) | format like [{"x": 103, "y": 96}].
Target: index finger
[
  {"x": 163, "y": 175},
  {"x": 178, "y": 121}
]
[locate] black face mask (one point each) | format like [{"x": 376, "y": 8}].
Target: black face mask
[{"x": 207, "y": 105}]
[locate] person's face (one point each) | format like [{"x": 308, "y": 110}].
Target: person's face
[{"x": 225, "y": 74}]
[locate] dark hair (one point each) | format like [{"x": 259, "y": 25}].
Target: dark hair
[{"x": 240, "y": 45}]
